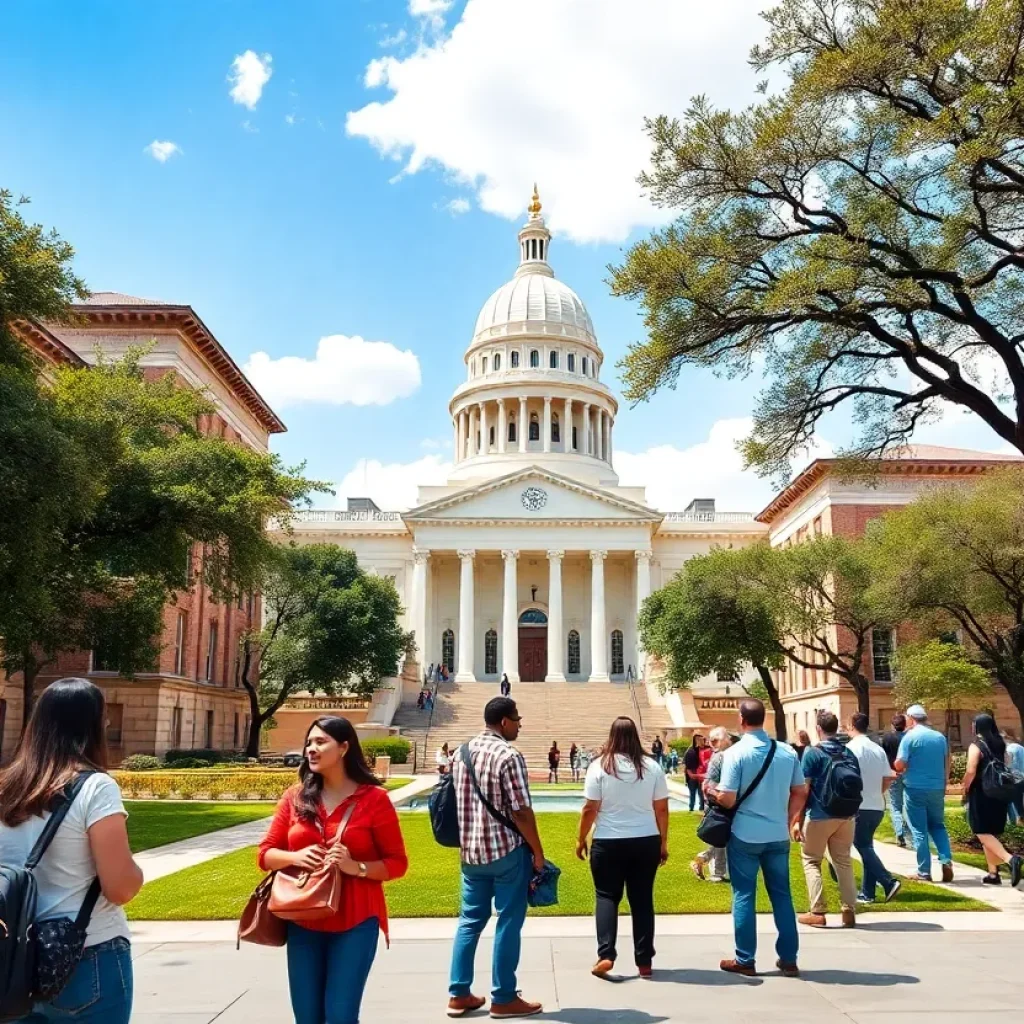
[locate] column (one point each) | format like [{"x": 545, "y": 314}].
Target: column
[
  {"x": 455, "y": 439},
  {"x": 502, "y": 426},
  {"x": 467, "y": 619},
  {"x": 643, "y": 591},
  {"x": 460, "y": 447},
  {"x": 567, "y": 426},
  {"x": 510, "y": 619},
  {"x": 608, "y": 450},
  {"x": 585, "y": 442},
  {"x": 524, "y": 426},
  {"x": 472, "y": 446},
  {"x": 420, "y": 558},
  {"x": 547, "y": 425},
  {"x": 599, "y": 434},
  {"x": 485, "y": 437},
  {"x": 556, "y": 629},
  {"x": 598, "y": 633}
]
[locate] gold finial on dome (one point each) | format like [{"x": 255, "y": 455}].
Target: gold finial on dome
[{"x": 534, "y": 206}]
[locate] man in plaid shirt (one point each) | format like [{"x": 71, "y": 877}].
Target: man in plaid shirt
[{"x": 497, "y": 861}]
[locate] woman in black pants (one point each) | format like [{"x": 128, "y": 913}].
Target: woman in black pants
[{"x": 626, "y": 805}]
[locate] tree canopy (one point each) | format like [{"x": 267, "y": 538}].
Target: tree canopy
[
  {"x": 939, "y": 674},
  {"x": 855, "y": 236}
]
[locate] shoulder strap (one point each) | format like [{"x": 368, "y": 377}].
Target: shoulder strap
[
  {"x": 343, "y": 824},
  {"x": 58, "y": 813},
  {"x": 757, "y": 778},
  {"x": 467, "y": 760}
]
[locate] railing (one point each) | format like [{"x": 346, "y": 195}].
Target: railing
[
  {"x": 329, "y": 515},
  {"x": 630, "y": 682},
  {"x": 709, "y": 517}
]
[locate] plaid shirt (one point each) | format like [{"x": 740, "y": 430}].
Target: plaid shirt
[{"x": 501, "y": 773}]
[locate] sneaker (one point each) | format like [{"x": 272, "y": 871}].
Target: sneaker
[
  {"x": 893, "y": 890},
  {"x": 863, "y": 901},
  {"x": 788, "y": 970},
  {"x": 919, "y": 878},
  {"x": 735, "y": 967},
  {"x": 992, "y": 879},
  {"x": 519, "y": 1007},
  {"x": 849, "y": 919},
  {"x": 1016, "y": 866},
  {"x": 716, "y": 878},
  {"x": 459, "y": 1006},
  {"x": 901, "y": 842},
  {"x": 812, "y": 920},
  {"x": 697, "y": 867},
  {"x": 947, "y": 873},
  {"x": 602, "y": 967},
  {"x": 646, "y": 971}
]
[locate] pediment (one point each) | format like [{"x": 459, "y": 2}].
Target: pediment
[{"x": 532, "y": 495}]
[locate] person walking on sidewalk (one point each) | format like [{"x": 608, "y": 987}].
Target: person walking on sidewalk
[
  {"x": 715, "y": 855},
  {"x": 923, "y": 761},
  {"x": 691, "y": 766},
  {"x": 835, "y": 790},
  {"x": 877, "y": 774},
  {"x": 768, "y": 811},
  {"x": 891, "y": 745},
  {"x": 1015, "y": 760},
  {"x": 554, "y": 759},
  {"x": 500, "y": 849},
  {"x": 626, "y": 804}
]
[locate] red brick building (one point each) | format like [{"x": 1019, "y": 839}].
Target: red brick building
[{"x": 195, "y": 698}]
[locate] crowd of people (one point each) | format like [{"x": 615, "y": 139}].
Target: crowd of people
[{"x": 828, "y": 797}]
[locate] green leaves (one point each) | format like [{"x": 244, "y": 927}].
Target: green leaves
[{"x": 938, "y": 674}]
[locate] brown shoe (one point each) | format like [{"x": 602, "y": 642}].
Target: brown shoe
[
  {"x": 788, "y": 970},
  {"x": 812, "y": 919},
  {"x": 947, "y": 873},
  {"x": 849, "y": 919},
  {"x": 734, "y": 967},
  {"x": 459, "y": 1006},
  {"x": 519, "y": 1007},
  {"x": 601, "y": 968}
]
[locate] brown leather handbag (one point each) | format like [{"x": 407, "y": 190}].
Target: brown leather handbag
[{"x": 257, "y": 924}]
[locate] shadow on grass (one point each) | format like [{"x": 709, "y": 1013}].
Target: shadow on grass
[
  {"x": 581, "y": 1015},
  {"x": 870, "y": 979}
]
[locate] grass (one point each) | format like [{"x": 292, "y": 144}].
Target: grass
[
  {"x": 431, "y": 888},
  {"x": 154, "y": 823}
]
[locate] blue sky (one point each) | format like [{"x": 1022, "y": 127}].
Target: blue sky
[{"x": 318, "y": 201}]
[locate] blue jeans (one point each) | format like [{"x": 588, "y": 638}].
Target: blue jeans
[
  {"x": 696, "y": 793},
  {"x": 327, "y": 972},
  {"x": 99, "y": 991},
  {"x": 505, "y": 882},
  {"x": 875, "y": 872},
  {"x": 896, "y": 807},
  {"x": 773, "y": 860},
  {"x": 926, "y": 813}
]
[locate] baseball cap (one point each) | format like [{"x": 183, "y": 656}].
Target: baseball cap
[{"x": 917, "y": 712}]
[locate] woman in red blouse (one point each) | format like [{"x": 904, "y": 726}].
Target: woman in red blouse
[{"x": 329, "y": 960}]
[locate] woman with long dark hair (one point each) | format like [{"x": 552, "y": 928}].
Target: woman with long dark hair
[
  {"x": 987, "y": 817},
  {"x": 63, "y": 739},
  {"x": 329, "y": 960},
  {"x": 626, "y": 804}
]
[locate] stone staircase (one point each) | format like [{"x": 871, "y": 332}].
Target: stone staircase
[{"x": 566, "y": 712}]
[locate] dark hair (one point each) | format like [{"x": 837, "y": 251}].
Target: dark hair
[
  {"x": 860, "y": 721},
  {"x": 307, "y": 800},
  {"x": 804, "y": 737},
  {"x": 987, "y": 731},
  {"x": 899, "y": 722},
  {"x": 498, "y": 708},
  {"x": 625, "y": 740},
  {"x": 65, "y": 734},
  {"x": 828, "y": 723},
  {"x": 752, "y": 711}
]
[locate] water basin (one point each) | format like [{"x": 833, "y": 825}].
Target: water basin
[{"x": 542, "y": 802}]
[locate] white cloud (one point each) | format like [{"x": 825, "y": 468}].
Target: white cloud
[
  {"x": 249, "y": 73},
  {"x": 345, "y": 371},
  {"x": 162, "y": 151},
  {"x": 428, "y": 8},
  {"x": 457, "y": 206},
  {"x": 524, "y": 90},
  {"x": 395, "y": 40},
  {"x": 393, "y": 485}
]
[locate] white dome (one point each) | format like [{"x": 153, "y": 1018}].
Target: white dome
[{"x": 534, "y": 297}]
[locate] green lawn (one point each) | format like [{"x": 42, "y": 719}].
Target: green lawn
[
  {"x": 431, "y": 888},
  {"x": 155, "y": 823}
]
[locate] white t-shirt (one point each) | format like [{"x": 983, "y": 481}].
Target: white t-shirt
[
  {"x": 874, "y": 767},
  {"x": 67, "y": 868},
  {"x": 627, "y": 803}
]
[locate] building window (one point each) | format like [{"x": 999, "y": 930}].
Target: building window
[
  {"x": 556, "y": 434},
  {"x": 553, "y": 359},
  {"x": 574, "y": 652},
  {"x": 490, "y": 652},
  {"x": 208, "y": 732},
  {"x": 497, "y": 362},
  {"x": 534, "y": 427},
  {"x": 448, "y": 650},
  {"x": 882, "y": 647},
  {"x": 211, "y": 654},
  {"x": 511, "y": 430},
  {"x": 951, "y": 636},
  {"x": 725, "y": 677},
  {"x": 115, "y": 723},
  {"x": 491, "y": 432},
  {"x": 180, "y": 640},
  {"x": 575, "y": 446},
  {"x": 953, "y": 731},
  {"x": 515, "y": 360},
  {"x": 570, "y": 362},
  {"x": 234, "y": 732},
  {"x": 103, "y": 659},
  {"x": 584, "y": 366},
  {"x": 241, "y": 601},
  {"x": 534, "y": 358},
  {"x": 483, "y": 364},
  {"x": 618, "y": 661},
  {"x": 176, "y": 729}
]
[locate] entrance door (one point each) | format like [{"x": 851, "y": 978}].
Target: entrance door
[{"x": 533, "y": 654}]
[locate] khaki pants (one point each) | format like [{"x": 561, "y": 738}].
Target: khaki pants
[{"x": 836, "y": 836}]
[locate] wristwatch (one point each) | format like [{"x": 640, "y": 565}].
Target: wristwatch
[{"x": 362, "y": 870}]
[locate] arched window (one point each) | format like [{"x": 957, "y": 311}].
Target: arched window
[
  {"x": 534, "y": 358},
  {"x": 575, "y": 446},
  {"x": 448, "y": 650},
  {"x": 584, "y": 366},
  {"x": 497, "y": 363},
  {"x": 511, "y": 430},
  {"x": 570, "y": 362},
  {"x": 556, "y": 434},
  {"x": 515, "y": 360},
  {"x": 618, "y": 663},
  {"x": 574, "y": 652},
  {"x": 533, "y": 617},
  {"x": 483, "y": 364},
  {"x": 534, "y": 427},
  {"x": 553, "y": 359},
  {"x": 490, "y": 653}
]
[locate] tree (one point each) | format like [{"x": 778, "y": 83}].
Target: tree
[
  {"x": 714, "y": 616},
  {"x": 938, "y": 674},
  {"x": 954, "y": 558},
  {"x": 329, "y": 626},
  {"x": 856, "y": 235}
]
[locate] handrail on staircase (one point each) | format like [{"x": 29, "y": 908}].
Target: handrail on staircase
[
  {"x": 630, "y": 680},
  {"x": 428, "y": 678}
]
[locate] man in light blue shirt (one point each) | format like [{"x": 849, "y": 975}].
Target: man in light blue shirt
[
  {"x": 761, "y": 831},
  {"x": 923, "y": 763},
  {"x": 1015, "y": 759}
]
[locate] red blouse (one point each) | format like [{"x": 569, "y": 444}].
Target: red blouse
[{"x": 372, "y": 833}]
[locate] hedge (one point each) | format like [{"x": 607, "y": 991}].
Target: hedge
[
  {"x": 392, "y": 746},
  {"x": 141, "y": 763},
  {"x": 681, "y": 745},
  {"x": 268, "y": 784},
  {"x": 204, "y": 754}
]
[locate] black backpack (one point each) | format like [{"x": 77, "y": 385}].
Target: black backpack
[
  {"x": 998, "y": 781},
  {"x": 842, "y": 788},
  {"x": 444, "y": 811},
  {"x": 37, "y": 959}
]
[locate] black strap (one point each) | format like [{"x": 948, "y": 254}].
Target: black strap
[
  {"x": 58, "y": 813},
  {"x": 757, "y": 778},
  {"x": 467, "y": 760}
]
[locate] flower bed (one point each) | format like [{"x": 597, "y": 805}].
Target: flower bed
[{"x": 213, "y": 784}]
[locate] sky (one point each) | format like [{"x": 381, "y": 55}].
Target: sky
[{"x": 335, "y": 187}]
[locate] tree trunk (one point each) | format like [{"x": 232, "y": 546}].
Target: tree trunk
[
  {"x": 863, "y": 690},
  {"x": 252, "y": 743},
  {"x": 775, "y": 700}
]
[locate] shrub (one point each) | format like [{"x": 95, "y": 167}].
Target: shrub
[
  {"x": 140, "y": 763},
  {"x": 957, "y": 768},
  {"x": 680, "y": 746},
  {"x": 395, "y": 747},
  {"x": 189, "y": 762},
  {"x": 193, "y": 784}
]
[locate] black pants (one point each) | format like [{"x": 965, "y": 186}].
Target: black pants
[
  {"x": 696, "y": 793},
  {"x": 631, "y": 864}
]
